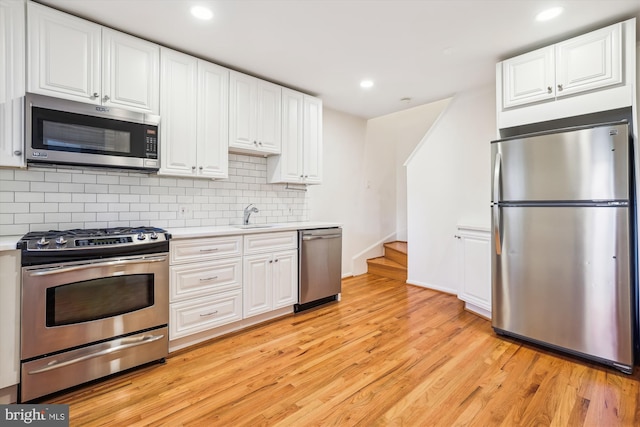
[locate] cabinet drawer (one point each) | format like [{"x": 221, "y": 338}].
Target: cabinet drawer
[
  {"x": 205, "y": 248},
  {"x": 193, "y": 316},
  {"x": 204, "y": 278},
  {"x": 267, "y": 242}
]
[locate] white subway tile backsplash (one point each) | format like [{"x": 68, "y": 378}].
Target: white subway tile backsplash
[
  {"x": 63, "y": 198},
  {"x": 71, "y": 188},
  {"x": 84, "y": 178},
  {"x": 29, "y": 197},
  {"x": 45, "y": 187}
]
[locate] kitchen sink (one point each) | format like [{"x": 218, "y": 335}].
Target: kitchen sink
[{"x": 247, "y": 226}]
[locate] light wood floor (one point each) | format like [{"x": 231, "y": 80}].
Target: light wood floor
[{"x": 387, "y": 354}]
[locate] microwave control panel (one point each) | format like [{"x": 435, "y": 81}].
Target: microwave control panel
[{"x": 151, "y": 143}]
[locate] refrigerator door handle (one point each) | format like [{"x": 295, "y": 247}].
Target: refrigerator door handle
[{"x": 497, "y": 171}]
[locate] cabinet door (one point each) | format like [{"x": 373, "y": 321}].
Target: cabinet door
[
  {"x": 12, "y": 86},
  {"x": 591, "y": 61},
  {"x": 269, "y": 117},
  {"x": 528, "y": 78},
  {"x": 213, "y": 120},
  {"x": 312, "y": 140},
  {"x": 64, "y": 55},
  {"x": 242, "y": 111},
  {"x": 257, "y": 273},
  {"x": 285, "y": 279},
  {"x": 178, "y": 111},
  {"x": 291, "y": 157},
  {"x": 475, "y": 270},
  {"x": 130, "y": 72},
  {"x": 10, "y": 318}
]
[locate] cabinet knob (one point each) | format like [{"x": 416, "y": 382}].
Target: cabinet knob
[
  {"x": 270, "y": 261},
  {"x": 255, "y": 142},
  {"x": 260, "y": 143},
  {"x": 105, "y": 98},
  {"x": 200, "y": 168},
  {"x": 17, "y": 153},
  {"x": 95, "y": 95},
  {"x": 560, "y": 88},
  {"x": 549, "y": 89},
  {"x": 193, "y": 168},
  {"x": 275, "y": 260}
]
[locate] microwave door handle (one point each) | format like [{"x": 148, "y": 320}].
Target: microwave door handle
[{"x": 62, "y": 269}]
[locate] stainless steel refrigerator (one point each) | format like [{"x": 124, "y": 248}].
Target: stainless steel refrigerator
[{"x": 563, "y": 248}]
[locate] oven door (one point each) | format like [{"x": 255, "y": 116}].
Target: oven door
[{"x": 78, "y": 303}]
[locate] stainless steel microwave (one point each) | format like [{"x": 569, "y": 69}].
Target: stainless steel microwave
[{"x": 66, "y": 132}]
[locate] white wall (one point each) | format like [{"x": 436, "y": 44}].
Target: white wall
[
  {"x": 448, "y": 183},
  {"x": 397, "y": 135},
  {"x": 364, "y": 184},
  {"x": 337, "y": 198}
]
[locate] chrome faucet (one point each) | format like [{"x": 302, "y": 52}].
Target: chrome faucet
[{"x": 247, "y": 213}]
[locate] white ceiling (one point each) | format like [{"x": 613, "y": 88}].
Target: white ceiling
[{"x": 425, "y": 50}]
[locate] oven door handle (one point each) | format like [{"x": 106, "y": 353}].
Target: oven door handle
[
  {"x": 63, "y": 269},
  {"x": 129, "y": 342}
]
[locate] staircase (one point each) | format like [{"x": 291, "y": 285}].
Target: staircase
[{"x": 393, "y": 264}]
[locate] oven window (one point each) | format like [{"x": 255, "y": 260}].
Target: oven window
[{"x": 98, "y": 298}]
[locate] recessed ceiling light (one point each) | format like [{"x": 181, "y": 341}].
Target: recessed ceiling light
[
  {"x": 366, "y": 84},
  {"x": 202, "y": 12},
  {"x": 548, "y": 14}
]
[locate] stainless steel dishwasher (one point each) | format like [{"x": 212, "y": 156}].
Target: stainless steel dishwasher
[{"x": 320, "y": 266}]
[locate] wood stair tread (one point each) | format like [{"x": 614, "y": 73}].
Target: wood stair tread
[
  {"x": 386, "y": 262},
  {"x": 397, "y": 246}
]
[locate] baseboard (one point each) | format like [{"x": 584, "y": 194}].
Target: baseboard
[{"x": 444, "y": 289}]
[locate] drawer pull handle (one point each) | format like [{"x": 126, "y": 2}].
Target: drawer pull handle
[
  {"x": 208, "y": 278},
  {"x": 209, "y": 314},
  {"x": 209, "y": 250}
]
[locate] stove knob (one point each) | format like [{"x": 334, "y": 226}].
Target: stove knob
[
  {"x": 61, "y": 241},
  {"x": 42, "y": 242},
  {"x": 154, "y": 236},
  {"x": 141, "y": 236}
]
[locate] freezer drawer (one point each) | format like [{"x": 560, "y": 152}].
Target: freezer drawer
[
  {"x": 584, "y": 164},
  {"x": 562, "y": 277}
]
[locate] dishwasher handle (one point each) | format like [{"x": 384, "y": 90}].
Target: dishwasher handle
[{"x": 324, "y": 236}]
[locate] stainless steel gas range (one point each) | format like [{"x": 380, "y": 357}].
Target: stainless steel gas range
[{"x": 94, "y": 302}]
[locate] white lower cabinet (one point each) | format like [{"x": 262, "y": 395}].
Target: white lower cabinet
[
  {"x": 205, "y": 283},
  {"x": 475, "y": 269},
  {"x": 270, "y": 270},
  {"x": 226, "y": 283},
  {"x": 9, "y": 325}
]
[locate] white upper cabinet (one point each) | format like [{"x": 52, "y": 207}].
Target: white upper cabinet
[
  {"x": 301, "y": 159},
  {"x": 591, "y": 61},
  {"x": 194, "y": 111},
  {"x": 12, "y": 82},
  {"x": 254, "y": 115},
  {"x": 529, "y": 78},
  {"x": 131, "y": 72},
  {"x": 584, "y": 63},
  {"x": 78, "y": 60}
]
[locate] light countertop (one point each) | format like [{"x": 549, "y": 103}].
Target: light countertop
[
  {"x": 9, "y": 242},
  {"x": 228, "y": 230}
]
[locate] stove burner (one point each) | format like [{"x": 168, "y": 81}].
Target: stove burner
[
  {"x": 81, "y": 244},
  {"x": 90, "y": 232}
]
